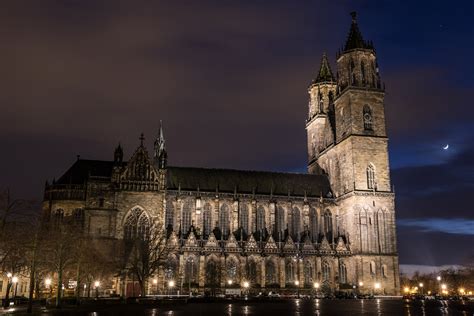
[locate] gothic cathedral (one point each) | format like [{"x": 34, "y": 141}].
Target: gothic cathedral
[{"x": 332, "y": 228}]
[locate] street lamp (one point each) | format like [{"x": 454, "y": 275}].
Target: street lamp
[
  {"x": 438, "y": 278},
  {"x": 230, "y": 282},
  {"x": 376, "y": 286},
  {"x": 155, "y": 283},
  {"x": 9, "y": 275},
  {"x": 297, "y": 283},
  {"x": 15, "y": 281},
  {"x": 421, "y": 287},
  {"x": 170, "y": 285},
  {"x": 96, "y": 286},
  {"x": 48, "y": 282}
]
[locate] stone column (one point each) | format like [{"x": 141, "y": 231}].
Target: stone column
[
  {"x": 222, "y": 271},
  {"x": 262, "y": 277},
  {"x": 301, "y": 272}
]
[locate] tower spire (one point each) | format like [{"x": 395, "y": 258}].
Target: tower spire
[
  {"x": 160, "y": 154},
  {"x": 325, "y": 73},
  {"x": 355, "y": 39}
]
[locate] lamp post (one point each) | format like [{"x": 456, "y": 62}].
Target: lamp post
[
  {"x": 96, "y": 287},
  {"x": 444, "y": 288},
  {"x": 170, "y": 286},
  {"x": 191, "y": 262},
  {"x": 48, "y": 282},
  {"x": 376, "y": 287},
  {"x": 361, "y": 284},
  {"x": 421, "y": 287},
  {"x": 297, "y": 284},
  {"x": 15, "y": 281},
  {"x": 246, "y": 286},
  {"x": 316, "y": 287},
  {"x": 155, "y": 283}
]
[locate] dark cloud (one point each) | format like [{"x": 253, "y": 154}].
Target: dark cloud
[{"x": 229, "y": 81}]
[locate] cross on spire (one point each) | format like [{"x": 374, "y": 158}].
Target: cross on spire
[{"x": 142, "y": 138}]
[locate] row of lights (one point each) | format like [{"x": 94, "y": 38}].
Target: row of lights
[{"x": 444, "y": 288}]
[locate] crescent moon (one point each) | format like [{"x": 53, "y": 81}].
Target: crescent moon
[{"x": 446, "y": 147}]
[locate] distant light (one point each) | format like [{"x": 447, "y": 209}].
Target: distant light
[
  {"x": 96, "y": 283},
  {"x": 444, "y": 286},
  {"x": 9, "y": 275},
  {"x": 15, "y": 279},
  {"x": 361, "y": 283},
  {"x": 171, "y": 283},
  {"x": 246, "y": 284},
  {"x": 47, "y": 282},
  {"x": 297, "y": 282},
  {"x": 406, "y": 289},
  {"x": 316, "y": 285},
  {"x": 377, "y": 285},
  {"x": 421, "y": 284},
  {"x": 230, "y": 282},
  {"x": 438, "y": 278},
  {"x": 155, "y": 281}
]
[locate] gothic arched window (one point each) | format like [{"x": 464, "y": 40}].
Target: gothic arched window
[
  {"x": 296, "y": 223},
  {"x": 290, "y": 272},
  {"x": 206, "y": 219},
  {"x": 326, "y": 271},
  {"x": 270, "y": 273},
  {"x": 137, "y": 225},
  {"x": 280, "y": 223},
  {"x": 244, "y": 217},
  {"x": 371, "y": 177},
  {"x": 372, "y": 268},
  {"x": 260, "y": 219},
  {"x": 367, "y": 116},
  {"x": 342, "y": 273},
  {"x": 169, "y": 217},
  {"x": 224, "y": 220},
  {"x": 187, "y": 215},
  {"x": 314, "y": 224},
  {"x": 328, "y": 223}
]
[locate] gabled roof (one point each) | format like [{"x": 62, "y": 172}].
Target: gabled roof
[
  {"x": 355, "y": 39},
  {"x": 243, "y": 181},
  {"x": 82, "y": 169}
]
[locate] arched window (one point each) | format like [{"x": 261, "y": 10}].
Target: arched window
[
  {"x": 381, "y": 231},
  {"x": 191, "y": 272},
  {"x": 260, "y": 219},
  {"x": 187, "y": 216},
  {"x": 206, "y": 219},
  {"x": 384, "y": 270},
  {"x": 296, "y": 223},
  {"x": 371, "y": 177},
  {"x": 224, "y": 220},
  {"x": 314, "y": 224},
  {"x": 372, "y": 268},
  {"x": 328, "y": 225},
  {"x": 367, "y": 116},
  {"x": 270, "y": 273},
  {"x": 280, "y": 222},
  {"x": 326, "y": 272},
  {"x": 244, "y": 217},
  {"x": 137, "y": 225},
  {"x": 342, "y": 273},
  {"x": 169, "y": 217},
  {"x": 362, "y": 71},
  {"x": 171, "y": 268},
  {"x": 232, "y": 268},
  {"x": 252, "y": 270},
  {"x": 290, "y": 272}
]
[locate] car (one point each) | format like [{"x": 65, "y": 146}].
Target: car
[{"x": 273, "y": 294}]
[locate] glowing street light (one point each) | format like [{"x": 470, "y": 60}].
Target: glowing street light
[
  {"x": 155, "y": 281},
  {"x": 297, "y": 282},
  {"x": 361, "y": 284},
  {"x": 14, "y": 279},
  {"x": 230, "y": 282},
  {"x": 171, "y": 284},
  {"x": 444, "y": 287},
  {"x": 316, "y": 285},
  {"x": 421, "y": 284},
  {"x": 461, "y": 290},
  {"x": 406, "y": 289},
  {"x": 377, "y": 285},
  {"x": 246, "y": 284},
  {"x": 9, "y": 275},
  {"x": 47, "y": 282},
  {"x": 438, "y": 278}
]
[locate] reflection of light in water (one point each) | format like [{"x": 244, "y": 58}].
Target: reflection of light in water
[
  {"x": 246, "y": 310},
  {"x": 379, "y": 309},
  {"x": 297, "y": 309},
  {"x": 170, "y": 313},
  {"x": 316, "y": 307},
  {"x": 423, "y": 307},
  {"x": 229, "y": 310}
]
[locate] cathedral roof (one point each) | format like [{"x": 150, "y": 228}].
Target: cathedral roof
[
  {"x": 355, "y": 39},
  {"x": 243, "y": 181},
  {"x": 210, "y": 180}
]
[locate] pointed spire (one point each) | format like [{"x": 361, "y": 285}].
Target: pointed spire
[
  {"x": 325, "y": 73},
  {"x": 142, "y": 138},
  {"x": 118, "y": 154},
  {"x": 160, "y": 154},
  {"x": 355, "y": 39}
]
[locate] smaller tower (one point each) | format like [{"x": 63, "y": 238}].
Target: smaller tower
[
  {"x": 160, "y": 155},
  {"x": 118, "y": 165},
  {"x": 320, "y": 125}
]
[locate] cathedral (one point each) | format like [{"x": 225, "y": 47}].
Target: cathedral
[{"x": 330, "y": 229}]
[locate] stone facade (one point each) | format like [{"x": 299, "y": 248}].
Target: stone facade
[{"x": 333, "y": 228}]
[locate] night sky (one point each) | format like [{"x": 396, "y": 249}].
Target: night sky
[{"x": 229, "y": 80}]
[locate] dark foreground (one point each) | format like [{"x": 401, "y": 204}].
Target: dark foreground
[{"x": 271, "y": 308}]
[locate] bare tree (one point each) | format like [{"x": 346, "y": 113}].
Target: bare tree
[{"x": 142, "y": 254}]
